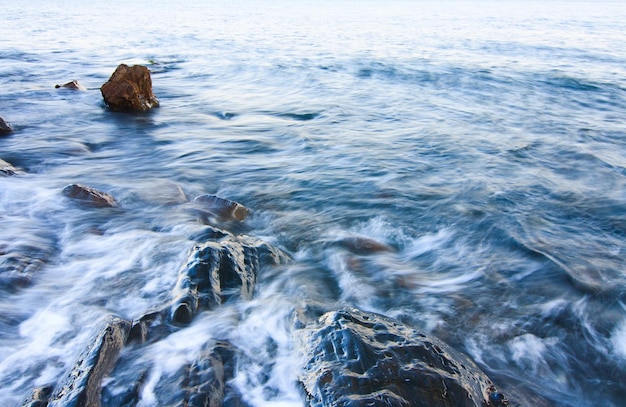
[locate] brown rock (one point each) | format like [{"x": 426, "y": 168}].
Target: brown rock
[
  {"x": 129, "y": 89},
  {"x": 222, "y": 208},
  {"x": 89, "y": 196},
  {"x": 364, "y": 245},
  {"x": 72, "y": 85},
  {"x": 4, "y": 127}
]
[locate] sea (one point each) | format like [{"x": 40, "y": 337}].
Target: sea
[{"x": 482, "y": 142}]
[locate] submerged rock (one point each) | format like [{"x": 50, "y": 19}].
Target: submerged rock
[
  {"x": 75, "y": 85},
  {"x": 129, "y": 89},
  {"x": 220, "y": 207},
  {"x": 356, "y": 358},
  {"x": 83, "y": 385},
  {"x": 89, "y": 196},
  {"x": 219, "y": 270},
  {"x": 163, "y": 192},
  {"x": 7, "y": 169},
  {"x": 5, "y": 128},
  {"x": 363, "y": 245}
]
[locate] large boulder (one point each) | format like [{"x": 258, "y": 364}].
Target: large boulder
[
  {"x": 5, "y": 128},
  {"x": 129, "y": 89},
  {"x": 89, "y": 196},
  {"x": 219, "y": 270},
  {"x": 355, "y": 358}
]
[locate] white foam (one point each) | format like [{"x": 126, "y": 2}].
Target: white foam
[
  {"x": 618, "y": 340},
  {"x": 529, "y": 351}
]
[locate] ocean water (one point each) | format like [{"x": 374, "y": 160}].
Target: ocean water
[{"x": 484, "y": 141}]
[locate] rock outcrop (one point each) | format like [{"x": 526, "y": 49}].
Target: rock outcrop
[
  {"x": 129, "y": 89},
  {"x": 356, "y": 358},
  {"x": 89, "y": 196},
  {"x": 74, "y": 85},
  {"x": 5, "y": 128},
  {"x": 218, "y": 270},
  {"x": 83, "y": 384}
]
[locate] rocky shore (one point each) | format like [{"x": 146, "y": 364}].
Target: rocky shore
[{"x": 353, "y": 357}]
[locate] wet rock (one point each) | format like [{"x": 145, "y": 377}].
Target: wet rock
[
  {"x": 363, "y": 245},
  {"x": 89, "y": 196},
  {"x": 129, "y": 89},
  {"x": 219, "y": 270},
  {"x": 205, "y": 382},
  {"x": 22, "y": 255},
  {"x": 5, "y": 128},
  {"x": 356, "y": 358},
  {"x": 74, "y": 85},
  {"x": 220, "y": 207},
  {"x": 83, "y": 385},
  {"x": 39, "y": 397},
  {"x": 7, "y": 169}
]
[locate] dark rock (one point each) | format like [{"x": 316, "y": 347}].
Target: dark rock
[
  {"x": 356, "y": 358},
  {"x": 363, "y": 245},
  {"x": 89, "y": 196},
  {"x": 7, "y": 169},
  {"x": 71, "y": 85},
  {"x": 218, "y": 270},
  {"x": 220, "y": 207},
  {"x": 5, "y": 128},
  {"x": 129, "y": 89},
  {"x": 205, "y": 382},
  {"x": 83, "y": 385}
]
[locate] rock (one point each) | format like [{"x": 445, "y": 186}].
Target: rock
[
  {"x": 5, "y": 128},
  {"x": 129, "y": 89},
  {"x": 89, "y": 196},
  {"x": 39, "y": 397},
  {"x": 363, "y": 245},
  {"x": 220, "y": 207},
  {"x": 219, "y": 270},
  {"x": 356, "y": 358},
  {"x": 22, "y": 256},
  {"x": 71, "y": 85},
  {"x": 7, "y": 169},
  {"x": 83, "y": 385}
]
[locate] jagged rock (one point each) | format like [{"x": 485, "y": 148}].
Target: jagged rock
[
  {"x": 5, "y": 128},
  {"x": 7, "y": 169},
  {"x": 129, "y": 89},
  {"x": 75, "y": 85},
  {"x": 89, "y": 196},
  {"x": 220, "y": 207},
  {"x": 356, "y": 358},
  {"x": 218, "y": 270},
  {"x": 83, "y": 385}
]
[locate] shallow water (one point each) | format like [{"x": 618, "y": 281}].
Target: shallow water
[{"x": 483, "y": 141}]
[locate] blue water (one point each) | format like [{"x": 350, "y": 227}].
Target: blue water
[{"x": 484, "y": 141}]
